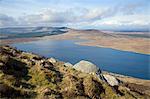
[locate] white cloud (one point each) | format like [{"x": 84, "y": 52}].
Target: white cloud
[
  {"x": 129, "y": 22},
  {"x": 52, "y": 16},
  {"x": 79, "y": 17},
  {"x": 125, "y": 20}
]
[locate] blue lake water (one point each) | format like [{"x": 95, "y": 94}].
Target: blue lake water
[{"x": 122, "y": 62}]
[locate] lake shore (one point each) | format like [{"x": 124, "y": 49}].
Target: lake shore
[
  {"x": 129, "y": 79},
  {"x": 98, "y": 39},
  {"x": 107, "y": 40}
]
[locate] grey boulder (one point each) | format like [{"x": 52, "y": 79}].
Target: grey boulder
[{"x": 87, "y": 67}]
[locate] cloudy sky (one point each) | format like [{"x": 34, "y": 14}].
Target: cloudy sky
[{"x": 99, "y": 14}]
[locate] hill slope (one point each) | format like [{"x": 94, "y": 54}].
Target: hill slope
[{"x": 26, "y": 75}]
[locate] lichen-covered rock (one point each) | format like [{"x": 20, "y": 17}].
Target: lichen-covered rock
[
  {"x": 52, "y": 60},
  {"x": 111, "y": 80},
  {"x": 86, "y": 67}
]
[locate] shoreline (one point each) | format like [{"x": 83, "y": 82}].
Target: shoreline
[
  {"x": 127, "y": 78},
  {"x": 112, "y": 48},
  {"x": 12, "y": 41},
  {"x": 117, "y": 75},
  {"x": 84, "y": 44},
  {"x": 98, "y": 39}
]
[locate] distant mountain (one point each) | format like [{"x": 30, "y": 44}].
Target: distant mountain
[
  {"x": 29, "y": 32},
  {"x": 23, "y": 32}
]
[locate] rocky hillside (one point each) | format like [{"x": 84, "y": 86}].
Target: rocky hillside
[{"x": 26, "y": 75}]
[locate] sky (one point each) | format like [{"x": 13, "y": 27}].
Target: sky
[{"x": 90, "y": 14}]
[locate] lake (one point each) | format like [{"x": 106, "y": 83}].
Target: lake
[{"x": 122, "y": 62}]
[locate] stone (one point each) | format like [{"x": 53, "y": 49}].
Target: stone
[
  {"x": 1, "y": 64},
  {"x": 68, "y": 64},
  {"x": 52, "y": 60},
  {"x": 46, "y": 64},
  {"x": 86, "y": 66},
  {"x": 46, "y": 91},
  {"x": 111, "y": 80}
]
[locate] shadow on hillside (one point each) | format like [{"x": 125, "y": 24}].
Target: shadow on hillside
[
  {"x": 18, "y": 70},
  {"x": 15, "y": 72}
]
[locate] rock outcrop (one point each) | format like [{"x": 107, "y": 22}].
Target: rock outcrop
[{"x": 86, "y": 67}]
